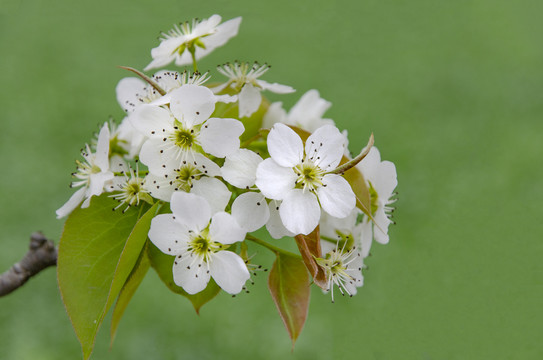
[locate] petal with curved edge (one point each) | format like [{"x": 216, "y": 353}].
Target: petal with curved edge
[
  {"x": 336, "y": 196},
  {"x": 151, "y": 156},
  {"x": 300, "y": 211},
  {"x": 251, "y": 211},
  {"x": 274, "y": 180},
  {"x": 275, "y": 114},
  {"x": 192, "y": 104},
  {"x": 385, "y": 180},
  {"x": 285, "y": 146},
  {"x": 214, "y": 191},
  {"x": 366, "y": 236},
  {"x": 128, "y": 91},
  {"x": 102, "y": 149},
  {"x": 220, "y": 137},
  {"x": 274, "y": 225},
  {"x": 380, "y": 228},
  {"x": 72, "y": 203},
  {"x": 275, "y": 87},
  {"x": 191, "y": 210},
  {"x": 239, "y": 168},
  {"x": 325, "y": 147},
  {"x": 249, "y": 100},
  {"x": 191, "y": 273},
  {"x": 225, "y": 229},
  {"x": 168, "y": 235},
  {"x": 151, "y": 121},
  {"x": 229, "y": 271}
]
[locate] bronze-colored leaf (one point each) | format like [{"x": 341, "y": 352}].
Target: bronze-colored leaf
[{"x": 310, "y": 248}]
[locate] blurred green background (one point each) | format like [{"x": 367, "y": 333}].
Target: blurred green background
[{"x": 452, "y": 90}]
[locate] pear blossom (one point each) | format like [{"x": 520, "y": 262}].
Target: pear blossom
[
  {"x": 300, "y": 177},
  {"x": 197, "y": 37},
  {"x": 132, "y": 92},
  {"x": 199, "y": 239},
  {"x": 382, "y": 180},
  {"x": 243, "y": 78},
  {"x": 177, "y": 133},
  {"x": 306, "y": 114},
  {"x": 131, "y": 188},
  {"x": 93, "y": 174},
  {"x": 343, "y": 268},
  {"x": 348, "y": 230}
]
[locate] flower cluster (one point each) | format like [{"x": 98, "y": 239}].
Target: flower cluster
[{"x": 224, "y": 162}]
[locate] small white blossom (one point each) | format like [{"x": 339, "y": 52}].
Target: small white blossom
[
  {"x": 343, "y": 268},
  {"x": 306, "y": 114},
  {"x": 199, "y": 37},
  {"x": 300, "y": 177},
  {"x": 382, "y": 180},
  {"x": 93, "y": 174},
  {"x": 199, "y": 238},
  {"x": 243, "y": 78}
]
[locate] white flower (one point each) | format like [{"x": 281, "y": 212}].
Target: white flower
[
  {"x": 176, "y": 134},
  {"x": 200, "y": 37},
  {"x": 348, "y": 230},
  {"x": 382, "y": 180},
  {"x": 306, "y": 114},
  {"x": 343, "y": 268},
  {"x": 131, "y": 188},
  {"x": 92, "y": 174},
  {"x": 243, "y": 78},
  {"x": 132, "y": 92},
  {"x": 198, "y": 239},
  {"x": 301, "y": 179}
]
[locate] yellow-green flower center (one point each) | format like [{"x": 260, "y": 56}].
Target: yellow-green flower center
[{"x": 309, "y": 176}]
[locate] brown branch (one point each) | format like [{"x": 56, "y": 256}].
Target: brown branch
[{"x": 41, "y": 254}]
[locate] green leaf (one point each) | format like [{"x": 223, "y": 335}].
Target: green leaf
[
  {"x": 289, "y": 287},
  {"x": 310, "y": 248},
  {"x": 132, "y": 283},
  {"x": 163, "y": 265},
  {"x": 94, "y": 261}
]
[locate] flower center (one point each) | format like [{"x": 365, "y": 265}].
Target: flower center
[
  {"x": 186, "y": 175},
  {"x": 309, "y": 176},
  {"x": 184, "y": 138},
  {"x": 374, "y": 199},
  {"x": 201, "y": 246}
]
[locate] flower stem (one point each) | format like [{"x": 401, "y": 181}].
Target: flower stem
[
  {"x": 271, "y": 247},
  {"x": 146, "y": 78},
  {"x": 192, "y": 51},
  {"x": 341, "y": 169}
]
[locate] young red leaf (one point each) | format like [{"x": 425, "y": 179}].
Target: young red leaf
[{"x": 310, "y": 248}]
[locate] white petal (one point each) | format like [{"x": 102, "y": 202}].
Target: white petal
[
  {"x": 385, "y": 180},
  {"x": 336, "y": 196},
  {"x": 227, "y": 99},
  {"x": 369, "y": 165},
  {"x": 249, "y": 100},
  {"x": 285, "y": 146},
  {"x": 274, "y": 225},
  {"x": 274, "y": 180},
  {"x": 275, "y": 114},
  {"x": 224, "y": 32},
  {"x": 205, "y": 165},
  {"x": 128, "y": 91},
  {"x": 308, "y": 111},
  {"x": 102, "y": 149},
  {"x": 225, "y": 229},
  {"x": 72, "y": 203},
  {"x": 380, "y": 228},
  {"x": 214, "y": 191},
  {"x": 229, "y": 271},
  {"x": 191, "y": 210},
  {"x": 190, "y": 273},
  {"x": 151, "y": 120},
  {"x": 366, "y": 236},
  {"x": 151, "y": 156},
  {"x": 220, "y": 137},
  {"x": 97, "y": 183},
  {"x": 239, "y": 168},
  {"x": 251, "y": 211},
  {"x": 159, "y": 187},
  {"x": 275, "y": 87},
  {"x": 325, "y": 147},
  {"x": 300, "y": 211},
  {"x": 168, "y": 235},
  {"x": 192, "y": 104}
]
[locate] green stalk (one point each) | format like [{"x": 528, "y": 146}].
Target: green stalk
[{"x": 271, "y": 247}]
